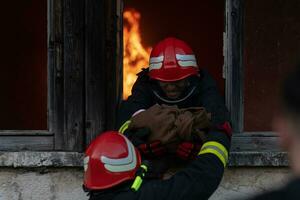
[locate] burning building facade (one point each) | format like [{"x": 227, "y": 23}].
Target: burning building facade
[{"x": 90, "y": 51}]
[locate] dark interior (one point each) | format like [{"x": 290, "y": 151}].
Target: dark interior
[
  {"x": 271, "y": 48},
  {"x": 23, "y": 71}
]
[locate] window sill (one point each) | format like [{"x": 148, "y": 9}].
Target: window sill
[
  {"x": 32, "y": 159},
  {"x": 258, "y": 159},
  {"x": 40, "y": 159}
]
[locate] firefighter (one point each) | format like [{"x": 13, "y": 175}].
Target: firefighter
[
  {"x": 113, "y": 170},
  {"x": 287, "y": 125},
  {"x": 173, "y": 78}
]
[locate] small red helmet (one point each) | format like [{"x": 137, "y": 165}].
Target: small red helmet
[
  {"x": 110, "y": 160},
  {"x": 172, "y": 60}
]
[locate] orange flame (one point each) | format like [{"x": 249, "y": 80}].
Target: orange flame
[{"x": 135, "y": 56}]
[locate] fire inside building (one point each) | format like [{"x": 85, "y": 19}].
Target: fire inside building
[
  {"x": 200, "y": 24},
  {"x": 67, "y": 65}
]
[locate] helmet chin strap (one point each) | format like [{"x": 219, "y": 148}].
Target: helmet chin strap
[{"x": 174, "y": 101}]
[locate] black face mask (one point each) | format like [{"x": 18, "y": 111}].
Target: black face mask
[{"x": 188, "y": 92}]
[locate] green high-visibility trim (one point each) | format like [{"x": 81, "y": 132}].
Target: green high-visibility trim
[
  {"x": 137, "y": 183},
  {"x": 217, "y": 149},
  {"x": 144, "y": 167},
  {"x": 124, "y": 127},
  {"x": 216, "y": 153},
  {"x": 140, "y": 174},
  {"x": 218, "y": 145}
]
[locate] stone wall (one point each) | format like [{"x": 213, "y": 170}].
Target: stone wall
[
  {"x": 41, "y": 184},
  {"x": 240, "y": 183},
  {"x": 65, "y": 183}
]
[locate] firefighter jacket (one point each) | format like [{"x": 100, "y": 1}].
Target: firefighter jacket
[
  {"x": 202, "y": 92},
  {"x": 197, "y": 181}
]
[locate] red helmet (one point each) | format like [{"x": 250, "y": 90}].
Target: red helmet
[
  {"x": 110, "y": 159},
  {"x": 172, "y": 60}
]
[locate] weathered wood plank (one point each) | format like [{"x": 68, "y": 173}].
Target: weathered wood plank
[
  {"x": 256, "y": 134},
  {"x": 73, "y": 57},
  {"x": 24, "y": 132},
  {"x": 114, "y": 59},
  {"x": 25, "y": 143},
  {"x": 95, "y": 69},
  {"x": 258, "y": 144},
  {"x": 234, "y": 63},
  {"x": 55, "y": 72},
  {"x": 103, "y": 64},
  {"x": 66, "y": 73},
  {"x": 119, "y": 53}
]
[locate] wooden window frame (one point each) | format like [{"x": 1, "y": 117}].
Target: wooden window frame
[
  {"x": 65, "y": 100},
  {"x": 84, "y": 76},
  {"x": 84, "y": 85},
  {"x": 248, "y": 148},
  {"x": 85, "y": 55}
]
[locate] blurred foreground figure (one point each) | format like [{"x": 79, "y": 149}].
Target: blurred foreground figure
[{"x": 287, "y": 124}]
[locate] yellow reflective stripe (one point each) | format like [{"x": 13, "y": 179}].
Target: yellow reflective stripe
[
  {"x": 216, "y": 153},
  {"x": 217, "y": 149},
  {"x": 140, "y": 174},
  {"x": 123, "y": 128},
  {"x": 144, "y": 167},
  {"x": 137, "y": 183},
  {"x": 218, "y": 145}
]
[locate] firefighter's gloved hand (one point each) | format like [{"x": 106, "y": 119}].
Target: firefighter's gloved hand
[
  {"x": 224, "y": 127},
  {"x": 188, "y": 150},
  {"x": 139, "y": 137},
  {"x": 152, "y": 149}
]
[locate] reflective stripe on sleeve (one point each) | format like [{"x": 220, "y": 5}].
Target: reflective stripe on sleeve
[
  {"x": 123, "y": 128},
  {"x": 140, "y": 174},
  {"x": 217, "y": 149},
  {"x": 144, "y": 167}
]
